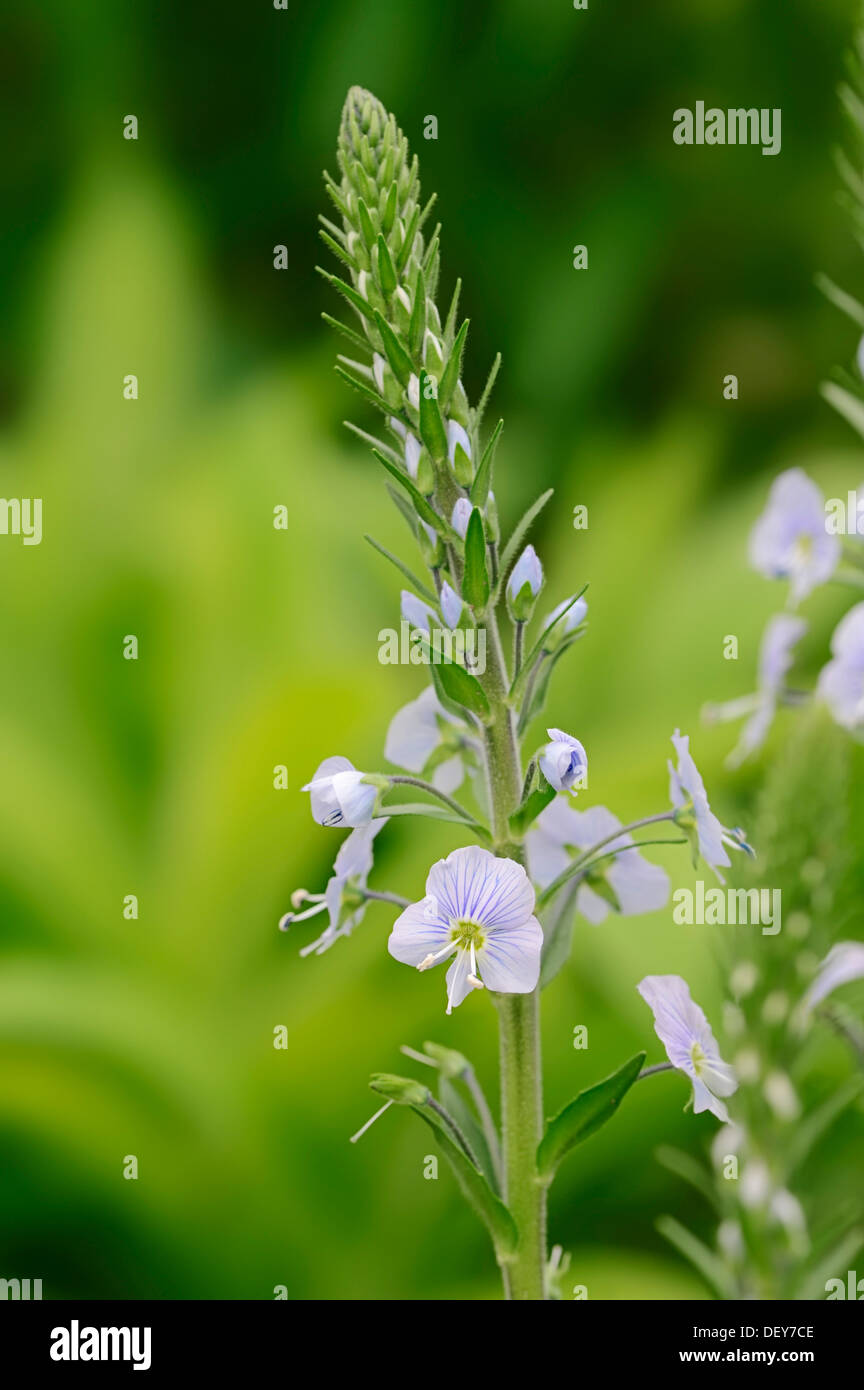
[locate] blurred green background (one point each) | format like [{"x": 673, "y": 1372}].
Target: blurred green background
[{"x": 257, "y": 648}]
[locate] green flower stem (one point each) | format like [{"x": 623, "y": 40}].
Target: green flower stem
[
  {"x": 583, "y": 861},
  {"x": 518, "y": 1014},
  {"x": 404, "y": 781}
]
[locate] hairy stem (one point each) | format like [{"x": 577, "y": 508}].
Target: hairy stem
[{"x": 518, "y": 1014}]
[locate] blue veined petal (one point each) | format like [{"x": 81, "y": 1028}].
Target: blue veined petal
[
  {"x": 509, "y": 961},
  {"x": 420, "y": 931},
  {"x": 473, "y": 884}
]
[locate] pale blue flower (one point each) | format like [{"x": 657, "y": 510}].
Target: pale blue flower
[
  {"x": 527, "y": 570},
  {"x": 344, "y": 898},
  {"x": 461, "y": 516},
  {"x": 843, "y": 964},
  {"x": 775, "y": 658},
  {"x": 339, "y": 794},
  {"x": 416, "y": 732},
  {"x": 563, "y": 760},
  {"x": 687, "y": 793},
  {"x": 790, "y": 540},
  {"x": 574, "y": 617},
  {"x": 456, "y": 434},
  {"x": 478, "y": 909},
  {"x": 451, "y": 605},
  {"x": 841, "y": 681},
  {"x": 690, "y": 1045},
  {"x": 412, "y": 454},
  {"x": 419, "y": 614},
  {"x": 562, "y": 833}
]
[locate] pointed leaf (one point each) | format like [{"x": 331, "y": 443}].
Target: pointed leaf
[
  {"x": 421, "y": 505},
  {"x": 450, "y": 375},
  {"x": 432, "y": 431},
  {"x": 584, "y": 1116},
  {"x": 483, "y": 477},
  {"x": 416, "y": 584},
  {"x": 709, "y": 1265},
  {"x": 514, "y": 545}
]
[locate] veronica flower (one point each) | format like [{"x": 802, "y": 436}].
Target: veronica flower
[
  {"x": 412, "y": 454},
  {"x": 690, "y": 1045},
  {"x": 525, "y": 583},
  {"x": 461, "y": 516},
  {"x": 417, "y": 732},
  {"x": 451, "y": 605},
  {"x": 563, "y": 761},
  {"x": 687, "y": 793},
  {"x": 843, "y": 963},
  {"x": 344, "y": 899},
  {"x": 573, "y": 618},
  {"x": 339, "y": 794},
  {"x": 456, "y": 434},
  {"x": 479, "y": 910},
  {"x": 560, "y": 833},
  {"x": 790, "y": 539},
  {"x": 775, "y": 658},
  {"x": 419, "y": 614},
  {"x": 841, "y": 681}
]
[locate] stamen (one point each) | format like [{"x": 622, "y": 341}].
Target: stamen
[
  {"x": 302, "y": 895},
  {"x": 369, "y": 1123},
  {"x": 439, "y": 955},
  {"x": 290, "y": 917}
]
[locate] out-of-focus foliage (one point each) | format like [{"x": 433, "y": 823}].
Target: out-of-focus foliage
[{"x": 258, "y": 648}]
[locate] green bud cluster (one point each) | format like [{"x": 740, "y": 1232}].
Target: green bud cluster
[{"x": 392, "y": 269}]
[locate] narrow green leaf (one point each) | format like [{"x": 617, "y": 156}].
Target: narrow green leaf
[
  {"x": 395, "y": 352},
  {"x": 370, "y": 439},
  {"x": 417, "y": 325},
  {"x": 365, "y": 390},
  {"x": 416, "y": 584},
  {"x": 847, "y": 405},
  {"x": 421, "y": 505},
  {"x": 709, "y": 1265},
  {"x": 386, "y": 269},
  {"x": 450, "y": 375},
  {"x": 349, "y": 333},
  {"x": 810, "y": 1129},
  {"x": 483, "y": 477},
  {"x": 519, "y": 683},
  {"x": 367, "y": 230},
  {"x": 514, "y": 545},
  {"x": 685, "y": 1166},
  {"x": 432, "y": 431},
  {"x": 843, "y": 301},
  {"x": 491, "y": 1210},
  {"x": 408, "y": 244},
  {"x": 338, "y": 251},
  {"x": 388, "y": 212},
  {"x": 584, "y": 1116},
  {"x": 530, "y": 809},
  {"x": 475, "y": 580},
  {"x": 832, "y": 1263},
  {"x": 450, "y": 322},
  {"x": 456, "y": 1105},
  {"x": 348, "y": 292},
  {"x": 464, "y": 688},
  {"x": 487, "y": 390}
]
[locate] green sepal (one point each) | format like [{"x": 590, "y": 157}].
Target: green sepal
[
  {"x": 402, "y": 1090},
  {"x": 584, "y": 1116},
  {"x": 456, "y": 1105},
  {"x": 432, "y": 431},
  {"x": 475, "y": 580}
]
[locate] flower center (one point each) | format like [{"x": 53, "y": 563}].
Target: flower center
[
  {"x": 697, "y": 1057},
  {"x": 466, "y": 934}
]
